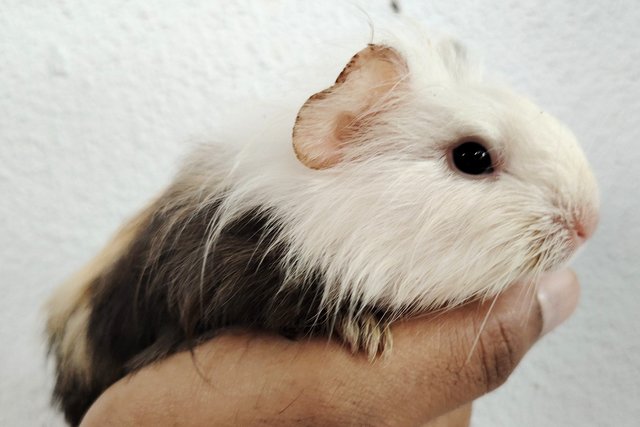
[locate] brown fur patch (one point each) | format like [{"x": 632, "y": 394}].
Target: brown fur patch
[
  {"x": 155, "y": 296},
  {"x": 68, "y": 312}
]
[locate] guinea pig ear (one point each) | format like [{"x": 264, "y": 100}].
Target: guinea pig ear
[{"x": 333, "y": 119}]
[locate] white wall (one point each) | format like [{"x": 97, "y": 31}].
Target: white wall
[{"x": 99, "y": 99}]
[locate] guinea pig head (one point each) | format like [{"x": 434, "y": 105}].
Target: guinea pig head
[{"x": 448, "y": 187}]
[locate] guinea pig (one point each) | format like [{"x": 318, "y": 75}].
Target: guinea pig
[{"x": 411, "y": 184}]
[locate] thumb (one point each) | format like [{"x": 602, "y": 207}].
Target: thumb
[{"x": 451, "y": 359}]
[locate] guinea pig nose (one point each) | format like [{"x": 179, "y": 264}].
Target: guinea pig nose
[{"x": 585, "y": 226}]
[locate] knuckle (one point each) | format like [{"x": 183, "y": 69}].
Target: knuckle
[{"x": 500, "y": 349}]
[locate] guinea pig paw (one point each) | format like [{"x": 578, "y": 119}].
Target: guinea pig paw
[{"x": 365, "y": 333}]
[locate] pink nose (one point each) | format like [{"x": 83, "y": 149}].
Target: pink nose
[{"x": 585, "y": 227}]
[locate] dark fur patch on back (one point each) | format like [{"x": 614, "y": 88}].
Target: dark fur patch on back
[{"x": 158, "y": 298}]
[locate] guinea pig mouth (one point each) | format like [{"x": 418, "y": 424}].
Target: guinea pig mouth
[
  {"x": 553, "y": 250},
  {"x": 572, "y": 232}
]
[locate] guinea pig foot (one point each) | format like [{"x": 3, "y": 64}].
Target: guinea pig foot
[{"x": 365, "y": 333}]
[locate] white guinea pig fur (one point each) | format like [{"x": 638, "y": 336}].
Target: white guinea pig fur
[{"x": 363, "y": 220}]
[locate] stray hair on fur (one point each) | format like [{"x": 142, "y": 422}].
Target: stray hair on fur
[{"x": 358, "y": 215}]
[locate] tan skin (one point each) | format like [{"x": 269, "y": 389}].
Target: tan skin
[{"x": 434, "y": 372}]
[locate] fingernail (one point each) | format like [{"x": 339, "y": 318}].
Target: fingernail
[{"x": 558, "y": 295}]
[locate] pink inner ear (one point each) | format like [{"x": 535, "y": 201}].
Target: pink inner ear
[
  {"x": 332, "y": 119},
  {"x": 346, "y": 127}
]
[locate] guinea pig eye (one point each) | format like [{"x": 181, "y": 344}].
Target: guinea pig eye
[{"x": 472, "y": 158}]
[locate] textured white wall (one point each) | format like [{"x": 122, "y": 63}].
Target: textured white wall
[{"x": 99, "y": 99}]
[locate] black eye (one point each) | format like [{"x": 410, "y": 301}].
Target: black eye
[{"x": 472, "y": 158}]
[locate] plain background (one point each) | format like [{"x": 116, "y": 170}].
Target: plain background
[{"x": 98, "y": 101}]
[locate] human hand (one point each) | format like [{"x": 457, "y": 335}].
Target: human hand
[{"x": 438, "y": 365}]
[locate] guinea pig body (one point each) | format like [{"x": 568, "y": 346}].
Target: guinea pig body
[{"x": 411, "y": 185}]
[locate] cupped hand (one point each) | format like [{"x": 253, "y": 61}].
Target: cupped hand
[{"x": 438, "y": 365}]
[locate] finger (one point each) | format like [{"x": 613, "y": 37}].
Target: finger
[
  {"x": 457, "y": 357},
  {"x": 459, "y": 417}
]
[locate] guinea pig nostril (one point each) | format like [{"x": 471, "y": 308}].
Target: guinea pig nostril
[
  {"x": 580, "y": 231},
  {"x": 586, "y": 226}
]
